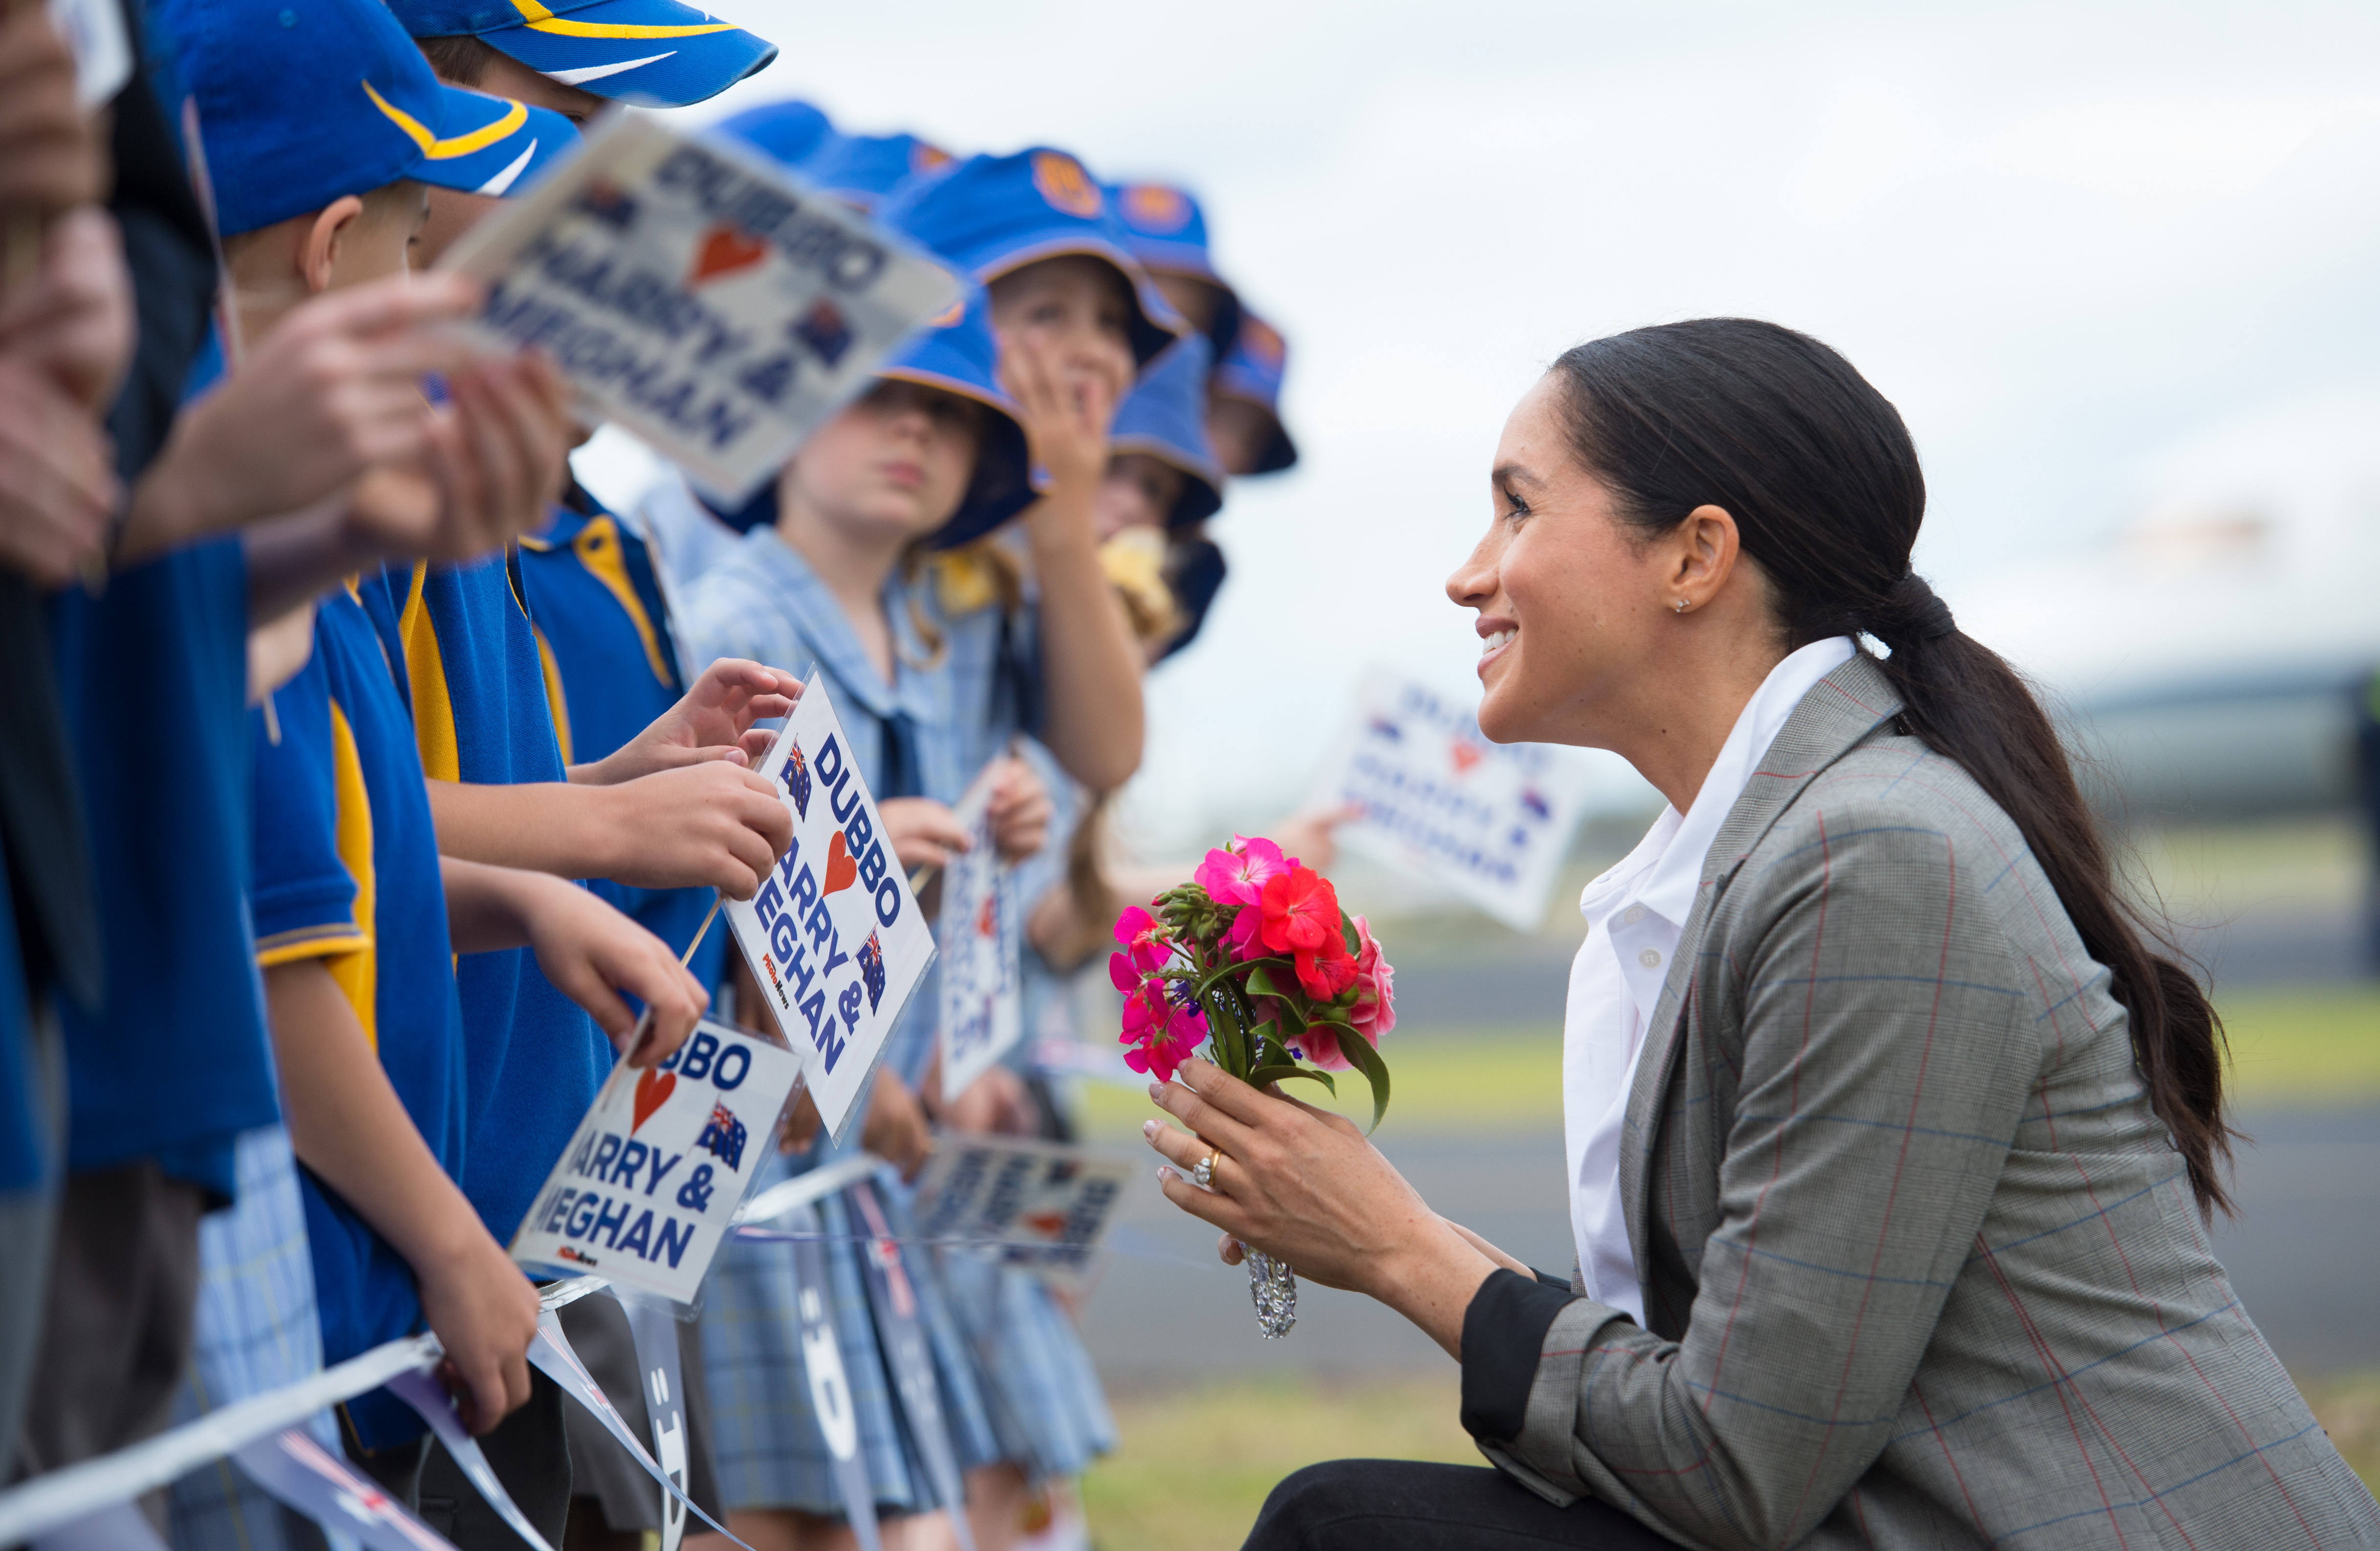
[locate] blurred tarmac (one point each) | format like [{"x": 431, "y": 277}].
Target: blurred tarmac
[{"x": 2304, "y": 1253}]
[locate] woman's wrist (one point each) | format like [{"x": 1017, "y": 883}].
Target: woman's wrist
[{"x": 1430, "y": 1278}]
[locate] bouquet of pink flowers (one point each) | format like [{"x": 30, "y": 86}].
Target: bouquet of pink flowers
[{"x": 1255, "y": 959}]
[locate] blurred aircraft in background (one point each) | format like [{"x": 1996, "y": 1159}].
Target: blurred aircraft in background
[{"x": 2209, "y": 662}]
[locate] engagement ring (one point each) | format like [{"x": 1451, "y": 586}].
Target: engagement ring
[{"x": 1203, "y": 1175}]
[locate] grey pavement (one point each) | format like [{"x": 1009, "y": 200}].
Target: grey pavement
[{"x": 2304, "y": 1257}]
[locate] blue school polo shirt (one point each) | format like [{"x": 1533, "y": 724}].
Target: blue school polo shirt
[
  {"x": 535, "y": 1059},
  {"x": 153, "y": 674},
  {"x": 611, "y": 667},
  {"x": 347, "y": 871}
]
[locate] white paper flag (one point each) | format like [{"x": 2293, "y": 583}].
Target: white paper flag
[
  {"x": 834, "y": 938},
  {"x": 1038, "y": 1203},
  {"x": 1491, "y": 821},
  {"x": 981, "y": 941},
  {"x": 648, "y": 1186},
  {"x": 699, "y": 295}
]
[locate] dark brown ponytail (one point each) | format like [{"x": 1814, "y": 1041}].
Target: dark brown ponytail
[{"x": 1822, "y": 482}]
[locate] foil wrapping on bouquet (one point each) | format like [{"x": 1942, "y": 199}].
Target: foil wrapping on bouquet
[{"x": 1273, "y": 1288}]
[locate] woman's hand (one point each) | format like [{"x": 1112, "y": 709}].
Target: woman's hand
[{"x": 1305, "y": 1185}]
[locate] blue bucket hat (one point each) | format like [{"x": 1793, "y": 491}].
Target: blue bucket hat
[
  {"x": 865, "y": 170},
  {"x": 992, "y": 216},
  {"x": 300, "y": 105},
  {"x": 652, "y": 53},
  {"x": 957, "y": 354},
  {"x": 1165, "y": 416},
  {"x": 1167, "y": 233},
  {"x": 1252, "y": 369},
  {"x": 792, "y": 132}
]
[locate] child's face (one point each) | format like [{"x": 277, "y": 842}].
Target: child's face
[
  {"x": 1138, "y": 491},
  {"x": 1239, "y": 429},
  {"x": 452, "y": 211},
  {"x": 1192, "y": 298},
  {"x": 1079, "y": 307},
  {"x": 895, "y": 464}
]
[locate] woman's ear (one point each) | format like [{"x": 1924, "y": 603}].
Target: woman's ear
[
  {"x": 1704, "y": 549},
  {"x": 318, "y": 255}
]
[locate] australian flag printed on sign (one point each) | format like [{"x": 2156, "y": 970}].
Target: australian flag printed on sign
[
  {"x": 723, "y": 1137},
  {"x": 795, "y": 776},
  {"x": 871, "y": 969}
]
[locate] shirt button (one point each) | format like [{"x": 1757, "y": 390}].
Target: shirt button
[
  {"x": 1650, "y": 959},
  {"x": 1635, "y": 914}
]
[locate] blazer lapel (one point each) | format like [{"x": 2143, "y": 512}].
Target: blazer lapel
[{"x": 1839, "y": 710}]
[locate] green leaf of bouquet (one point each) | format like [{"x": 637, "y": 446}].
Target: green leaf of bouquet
[
  {"x": 1260, "y": 982},
  {"x": 1283, "y": 1070},
  {"x": 1364, "y": 1058},
  {"x": 1347, "y": 929}
]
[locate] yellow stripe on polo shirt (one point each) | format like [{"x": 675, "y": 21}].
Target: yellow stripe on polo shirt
[
  {"x": 537, "y": 19},
  {"x": 598, "y": 548},
  {"x": 458, "y": 145},
  {"x": 425, "y": 670},
  {"x": 555, "y": 700},
  {"x": 358, "y": 974}
]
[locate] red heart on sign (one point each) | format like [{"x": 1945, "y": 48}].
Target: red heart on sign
[
  {"x": 1466, "y": 756},
  {"x": 841, "y": 871},
  {"x": 723, "y": 251},
  {"x": 653, "y": 1090}
]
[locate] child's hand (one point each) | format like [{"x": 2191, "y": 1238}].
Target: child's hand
[
  {"x": 1066, "y": 414},
  {"x": 73, "y": 321},
  {"x": 717, "y": 825},
  {"x": 496, "y": 455},
  {"x": 58, "y": 480},
  {"x": 922, "y": 832},
  {"x": 1311, "y": 836},
  {"x": 484, "y": 1311},
  {"x": 895, "y": 1127},
  {"x": 997, "y": 1104},
  {"x": 1020, "y": 810},
  {"x": 798, "y": 1127},
  {"x": 712, "y": 721},
  {"x": 50, "y": 159},
  {"x": 592, "y": 953}
]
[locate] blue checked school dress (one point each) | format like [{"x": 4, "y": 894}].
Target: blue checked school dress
[
  {"x": 256, "y": 1331},
  {"x": 762, "y": 602}
]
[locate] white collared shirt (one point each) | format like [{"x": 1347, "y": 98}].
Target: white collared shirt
[{"x": 1634, "y": 915}]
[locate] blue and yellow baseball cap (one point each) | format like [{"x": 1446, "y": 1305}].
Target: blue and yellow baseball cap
[
  {"x": 992, "y": 216},
  {"x": 1165, "y": 416},
  {"x": 1252, "y": 369},
  {"x": 792, "y": 132},
  {"x": 866, "y": 169},
  {"x": 652, "y": 53},
  {"x": 301, "y": 105},
  {"x": 1167, "y": 233}
]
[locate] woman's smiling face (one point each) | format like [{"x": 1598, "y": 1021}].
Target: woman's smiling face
[{"x": 1569, "y": 600}]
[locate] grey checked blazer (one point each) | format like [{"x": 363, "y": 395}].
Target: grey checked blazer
[{"x": 1921, "y": 1267}]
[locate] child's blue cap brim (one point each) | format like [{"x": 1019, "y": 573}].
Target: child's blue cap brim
[
  {"x": 1252, "y": 369},
  {"x": 1165, "y": 417},
  {"x": 485, "y": 145},
  {"x": 865, "y": 170},
  {"x": 649, "y": 52},
  {"x": 791, "y": 132}
]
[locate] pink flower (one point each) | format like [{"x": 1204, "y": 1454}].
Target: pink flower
[
  {"x": 1159, "y": 1027},
  {"x": 1245, "y": 936},
  {"x": 1237, "y": 873},
  {"x": 1375, "y": 1012},
  {"x": 1144, "y": 940},
  {"x": 1319, "y": 1045}
]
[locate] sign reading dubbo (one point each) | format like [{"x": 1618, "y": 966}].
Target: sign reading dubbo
[
  {"x": 834, "y": 938},
  {"x": 982, "y": 980},
  {"x": 649, "y": 1187},
  {"x": 698, "y": 294},
  {"x": 1491, "y": 821},
  {"x": 1035, "y": 1203}
]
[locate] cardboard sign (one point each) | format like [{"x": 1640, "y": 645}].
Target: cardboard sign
[
  {"x": 981, "y": 940},
  {"x": 1040, "y": 1205},
  {"x": 699, "y": 295},
  {"x": 649, "y": 1187},
  {"x": 834, "y": 937},
  {"x": 1491, "y": 821}
]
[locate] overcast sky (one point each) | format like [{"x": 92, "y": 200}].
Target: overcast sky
[{"x": 2073, "y": 243}]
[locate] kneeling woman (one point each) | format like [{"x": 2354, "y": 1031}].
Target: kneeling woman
[{"x": 1891, "y": 1137}]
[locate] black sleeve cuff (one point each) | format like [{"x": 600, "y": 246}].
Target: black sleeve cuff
[
  {"x": 1504, "y": 1331},
  {"x": 1545, "y": 1280}
]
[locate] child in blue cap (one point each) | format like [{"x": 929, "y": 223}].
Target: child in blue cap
[
  {"x": 646, "y": 52},
  {"x": 1244, "y": 402},
  {"x": 1168, "y": 234}
]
